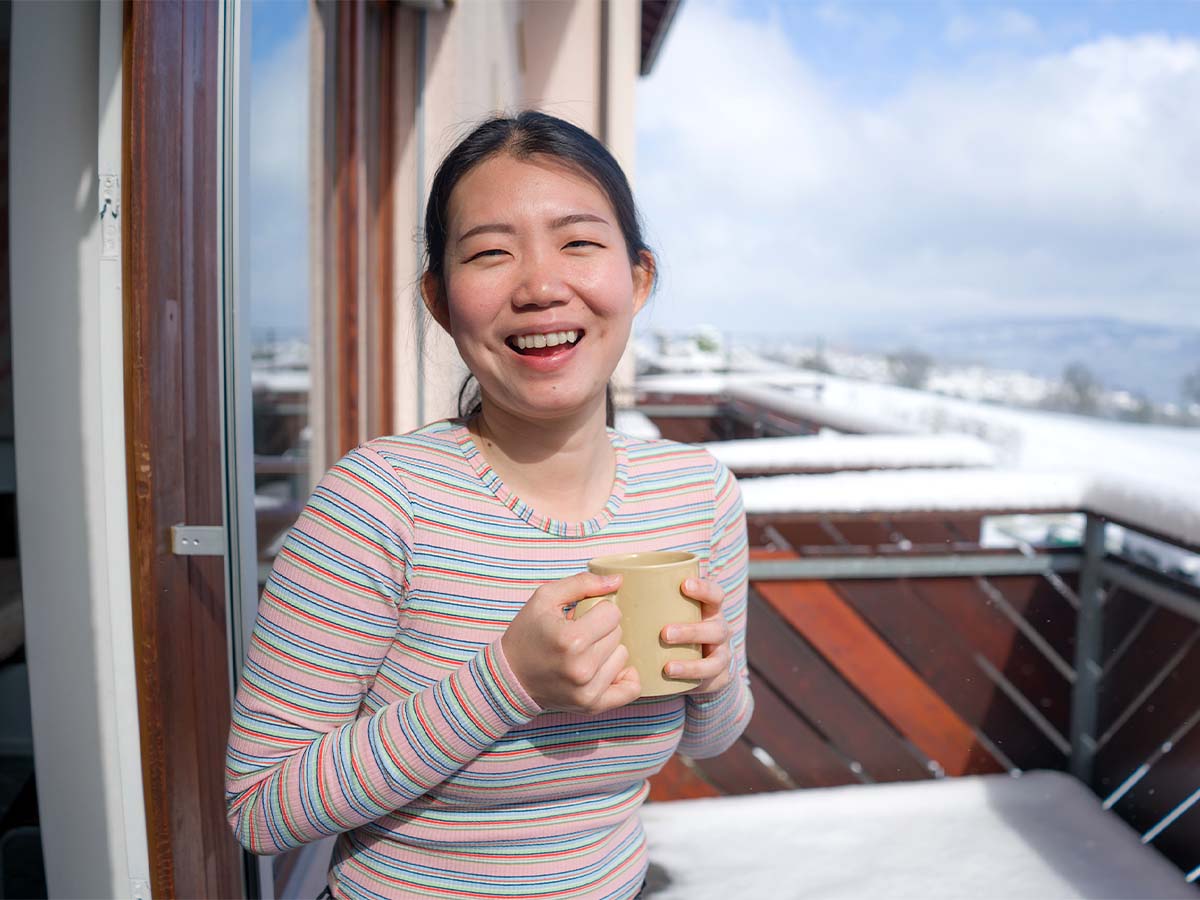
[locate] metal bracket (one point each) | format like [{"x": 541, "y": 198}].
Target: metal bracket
[{"x": 198, "y": 540}]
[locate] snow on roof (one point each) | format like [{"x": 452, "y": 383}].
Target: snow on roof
[
  {"x": 813, "y": 407},
  {"x": 717, "y": 383},
  {"x": 1170, "y": 511},
  {"x": 1043, "y": 834},
  {"x": 637, "y": 424},
  {"x": 830, "y": 450},
  {"x": 281, "y": 381}
]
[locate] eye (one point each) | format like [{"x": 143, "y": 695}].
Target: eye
[
  {"x": 484, "y": 253},
  {"x": 582, "y": 243}
]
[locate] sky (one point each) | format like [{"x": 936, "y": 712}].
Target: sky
[
  {"x": 808, "y": 166},
  {"x": 278, "y": 214},
  {"x": 812, "y": 167}
]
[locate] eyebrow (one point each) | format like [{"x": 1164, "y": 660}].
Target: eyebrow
[{"x": 560, "y": 222}]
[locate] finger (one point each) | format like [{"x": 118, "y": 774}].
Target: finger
[
  {"x": 699, "y": 669},
  {"x": 601, "y": 620},
  {"x": 612, "y": 666},
  {"x": 586, "y": 667},
  {"x": 708, "y": 631},
  {"x": 626, "y": 688},
  {"x": 707, "y": 592},
  {"x": 573, "y": 588}
]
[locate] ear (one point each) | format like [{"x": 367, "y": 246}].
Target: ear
[
  {"x": 435, "y": 300},
  {"x": 643, "y": 280}
]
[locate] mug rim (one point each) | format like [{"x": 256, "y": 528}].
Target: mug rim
[{"x": 629, "y": 560}]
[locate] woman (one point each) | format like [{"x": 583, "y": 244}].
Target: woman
[{"x": 416, "y": 680}]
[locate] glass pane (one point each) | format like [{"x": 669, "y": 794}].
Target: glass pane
[
  {"x": 279, "y": 306},
  {"x": 279, "y": 289}
]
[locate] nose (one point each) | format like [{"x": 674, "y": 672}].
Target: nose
[{"x": 541, "y": 284}]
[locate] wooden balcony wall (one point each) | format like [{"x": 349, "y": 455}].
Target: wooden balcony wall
[{"x": 877, "y": 680}]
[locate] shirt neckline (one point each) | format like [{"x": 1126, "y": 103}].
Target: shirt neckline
[{"x": 522, "y": 510}]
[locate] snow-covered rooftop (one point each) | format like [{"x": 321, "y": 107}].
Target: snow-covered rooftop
[
  {"x": 830, "y": 450},
  {"x": 1041, "y": 835},
  {"x": 811, "y": 405},
  {"x": 632, "y": 422},
  {"x": 1144, "y": 475}
]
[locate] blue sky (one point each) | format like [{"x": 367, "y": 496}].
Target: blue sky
[
  {"x": 870, "y": 49},
  {"x": 278, "y": 214}
]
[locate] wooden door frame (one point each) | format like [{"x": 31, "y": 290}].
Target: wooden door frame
[{"x": 175, "y": 439}]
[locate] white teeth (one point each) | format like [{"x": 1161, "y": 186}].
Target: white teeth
[{"x": 553, "y": 339}]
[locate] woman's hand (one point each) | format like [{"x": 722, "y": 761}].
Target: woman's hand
[
  {"x": 574, "y": 665},
  {"x": 712, "y": 632}
]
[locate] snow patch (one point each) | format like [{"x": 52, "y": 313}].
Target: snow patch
[{"x": 1041, "y": 835}]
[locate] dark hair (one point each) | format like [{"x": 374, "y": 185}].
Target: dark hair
[{"x": 529, "y": 133}]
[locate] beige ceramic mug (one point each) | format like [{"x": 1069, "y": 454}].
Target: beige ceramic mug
[{"x": 649, "y": 599}]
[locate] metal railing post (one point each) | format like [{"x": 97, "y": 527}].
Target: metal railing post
[{"x": 1088, "y": 636}]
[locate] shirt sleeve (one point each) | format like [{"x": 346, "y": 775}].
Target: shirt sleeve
[
  {"x": 303, "y": 760},
  {"x": 715, "y": 720}
]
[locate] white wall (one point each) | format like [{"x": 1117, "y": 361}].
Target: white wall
[{"x": 67, "y": 378}]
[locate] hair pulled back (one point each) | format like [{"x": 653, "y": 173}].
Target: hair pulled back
[{"x": 523, "y": 136}]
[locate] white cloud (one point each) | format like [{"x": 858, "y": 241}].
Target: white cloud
[{"x": 1059, "y": 184}]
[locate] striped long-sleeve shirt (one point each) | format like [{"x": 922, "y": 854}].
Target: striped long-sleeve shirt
[{"x": 376, "y": 701}]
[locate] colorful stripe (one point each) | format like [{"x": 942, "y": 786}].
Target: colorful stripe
[{"x": 376, "y": 702}]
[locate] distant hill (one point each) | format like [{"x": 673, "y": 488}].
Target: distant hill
[{"x": 1136, "y": 356}]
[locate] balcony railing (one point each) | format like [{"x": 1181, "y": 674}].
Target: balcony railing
[{"x": 899, "y": 644}]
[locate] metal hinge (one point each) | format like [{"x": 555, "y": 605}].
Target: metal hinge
[{"x": 198, "y": 540}]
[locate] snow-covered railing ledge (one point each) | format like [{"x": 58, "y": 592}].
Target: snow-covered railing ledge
[
  {"x": 1167, "y": 511},
  {"x": 859, "y": 451}
]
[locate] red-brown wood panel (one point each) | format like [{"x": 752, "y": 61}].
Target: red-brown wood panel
[
  {"x": 864, "y": 532},
  {"x": 795, "y": 747},
  {"x": 170, "y": 218},
  {"x": 786, "y": 661},
  {"x": 1042, "y": 606},
  {"x": 1163, "y": 711},
  {"x": 802, "y": 535},
  {"x": 736, "y": 771},
  {"x": 937, "y": 652},
  {"x": 385, "y": 20},
  {"x": 1170, "y": 782},
  {"x": 892, "y": 687},
  {"x": 345, "y": 324},
  {"x": 1125, "y": 615},
  {"x": 973, "y": 615},
  {"x": 679, "y": 781},
  {"x": 1165, "y": 633}
]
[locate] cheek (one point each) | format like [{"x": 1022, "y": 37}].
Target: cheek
[
  {"x": 470, "y": 305},
  {"x": 611, "y": 285}
]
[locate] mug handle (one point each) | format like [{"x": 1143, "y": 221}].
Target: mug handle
[{"x": 588, "y": 603}]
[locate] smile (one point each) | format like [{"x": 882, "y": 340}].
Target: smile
[{"x": 525, "y": 343}]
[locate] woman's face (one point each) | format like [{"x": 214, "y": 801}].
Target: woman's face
[{"x": 539, "y": 292}]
